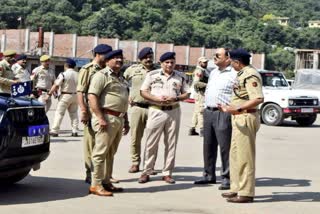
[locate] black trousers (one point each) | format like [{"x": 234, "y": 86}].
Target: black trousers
[{"x": 217, "y": 130}]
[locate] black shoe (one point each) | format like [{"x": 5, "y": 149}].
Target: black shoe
[
  {"x": 53, "y": 134},
  {"x": 192, "y": 132},
  {"x": 224, "y": 187},
  {"x": 88, "y": 180},
  {"x": 74, "y": 134},
  {"x": 205, "y": 181}
]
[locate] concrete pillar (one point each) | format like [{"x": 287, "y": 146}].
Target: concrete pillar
[
  {"x": 171, "y": 47},
  {"x": 51, "y": 44},
  {"x": 74, "y": 45},
  {"x": 27, "y": 40},
  {"x": 315, "y": 60},
  {"x": 154, "y": 47},
  {"x": 116, "y": 44},
  {"x": 135, "y": 49},
  {"x": 3, "y": 42},
  {"x": 187, "y": 55},
  {"x": 203, "y": 51},
  {"x": 96, "y": 40},
  {"x": 263, "y": 61}
]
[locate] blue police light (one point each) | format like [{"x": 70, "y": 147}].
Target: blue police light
[{"x": 38, "y": 130}]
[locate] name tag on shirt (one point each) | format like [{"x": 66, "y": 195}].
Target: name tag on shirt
[{"x": 21, "y": 89}]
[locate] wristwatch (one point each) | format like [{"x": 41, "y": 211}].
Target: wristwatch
[{"x": 239, "y": 109}]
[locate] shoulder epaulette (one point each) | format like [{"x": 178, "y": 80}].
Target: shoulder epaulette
[
  {"x": 155, "y": 72},
  {"x": 87, "y": 65}
]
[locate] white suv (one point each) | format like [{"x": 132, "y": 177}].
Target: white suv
[{"x": 281, "y": 101}]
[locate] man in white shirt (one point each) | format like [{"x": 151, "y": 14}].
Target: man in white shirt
[{"x": 19, "y": 69}]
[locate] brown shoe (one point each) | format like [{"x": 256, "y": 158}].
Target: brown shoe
[
  {"x": 134, "y": 169},
  {"x": 111, "y": 188},
  {"x": 144, "y": 179},
  {"x": 229, "y": 194},
  {"x": 240, "y": 199},
  {"x": 168, "y": 179},
  {"x": 113, "y": 180},
  {"x": 99, "y": 190}
]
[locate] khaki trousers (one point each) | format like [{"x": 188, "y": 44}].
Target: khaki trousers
[
  {"x": 88, "y": 144},
  {"x": 197, "y": 117},
  {"x": 243, "y": 152},
  {"x": 66, "y": 102},
  {"x": 138, "y": 120},
  {"x": 106, "y": 145},
  {"x": 168, "y": 123},
  {"x": 46, "y": 103}
]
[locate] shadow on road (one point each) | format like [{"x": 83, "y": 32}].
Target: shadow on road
[
  {"x": 282, "y": 182},
  {"x": 42, "y": 189},
  {"x": 289, "y": 196}
]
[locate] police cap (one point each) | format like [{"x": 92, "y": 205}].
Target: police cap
[
  {"x": 71, "y": 63},
  {"x": 239, "y": 54},
  {"x": 112, "y": 54},
  {"x": 102, "y": 49},
  {"x": 167, "y": 55},
  {"x": 21, "y": 57},
  {"x": 144, "y": 52},
  {"x": 203, "y": 59},
  {"x": 9, "y": 53},
  {"x": 44, "y": 58}
]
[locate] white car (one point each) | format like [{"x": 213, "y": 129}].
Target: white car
[{"x": 281, "y": 101}]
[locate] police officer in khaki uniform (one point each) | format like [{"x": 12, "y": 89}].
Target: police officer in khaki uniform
[
  {"x": 85, "y": 75},
  {"x": 19, "y": 69},
  {"x": 136, "y": 74},
  {"x": 200, "y": 80},
  {"x": 67, "y": 81},
  {"x": 6, "y": 74},
  {"x": 43, "y": 78},
  {"x": 245, "y": 124},
  {"x": 108, "y": 98},
  {"x": 164, "y": 88}
]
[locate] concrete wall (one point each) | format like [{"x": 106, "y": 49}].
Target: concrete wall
[{"x": 71, "y": 45}]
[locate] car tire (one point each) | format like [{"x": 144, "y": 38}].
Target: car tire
[
  {"x": 272, "y": 115},
  {"x": 306, "y": 121},
  {"x": 14, "y": 178}
]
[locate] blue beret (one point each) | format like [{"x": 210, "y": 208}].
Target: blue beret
[
  {"x": 71, "y": 62},
  {"x": 239, "y": 54},
  {"x": 102, "y": 49},
  {"x": 144, "y": 52},
  {"x": 112, "y": 54},
  {"x": 167, "y": 55},
  {"x": 21, "y": 57}
]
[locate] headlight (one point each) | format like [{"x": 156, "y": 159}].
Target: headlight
[
  {"x": 1, "y": 115},
  {"x": 315, "y": 102},
  {"x": 291, "y": 102}
]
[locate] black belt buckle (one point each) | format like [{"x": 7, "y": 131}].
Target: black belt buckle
[
  {"x": 166, "y": 108},
  {"x": 213, "y": 108},
  {"x": 141, "y": 105}
]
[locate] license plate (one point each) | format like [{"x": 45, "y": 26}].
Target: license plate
[
  {"x": 307, "y": 110},
  {"x": 32, "y": 141}
]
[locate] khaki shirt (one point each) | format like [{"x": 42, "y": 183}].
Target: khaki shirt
[
  {"x": 200, "y": 80},
  {"x": 160, "y": 85},
  {"x": 136, "y": 74},
  {"x": 43, "y": 78},
  {"x": 20, "y": 73},
  {"x": 85, "y": 75},
  {"x": 6, "y": 76},
  {"x": 111, "y": 90},
  {"x": 68, "y": 81},
  {"x": 249, "y": 86}
]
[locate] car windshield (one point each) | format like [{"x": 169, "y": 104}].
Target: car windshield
[{"x": 273, "y": 80}]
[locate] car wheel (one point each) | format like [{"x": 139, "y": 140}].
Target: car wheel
[
  {"x": 272, "y": 115},
  {"x": 14, "y": 178},
  {"x": 306, "y": 121}
]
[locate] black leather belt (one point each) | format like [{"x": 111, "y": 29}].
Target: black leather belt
[
  {"x": 213, "y": 108},
  {"x": 42, "y": 89},
  {"x": 63, "y": 92},
  {"x": 141, "y": 105},
  {"x": 165, "y": 108}
]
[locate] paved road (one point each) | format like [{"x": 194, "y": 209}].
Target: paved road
[{"x": 288, "y": 178}]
